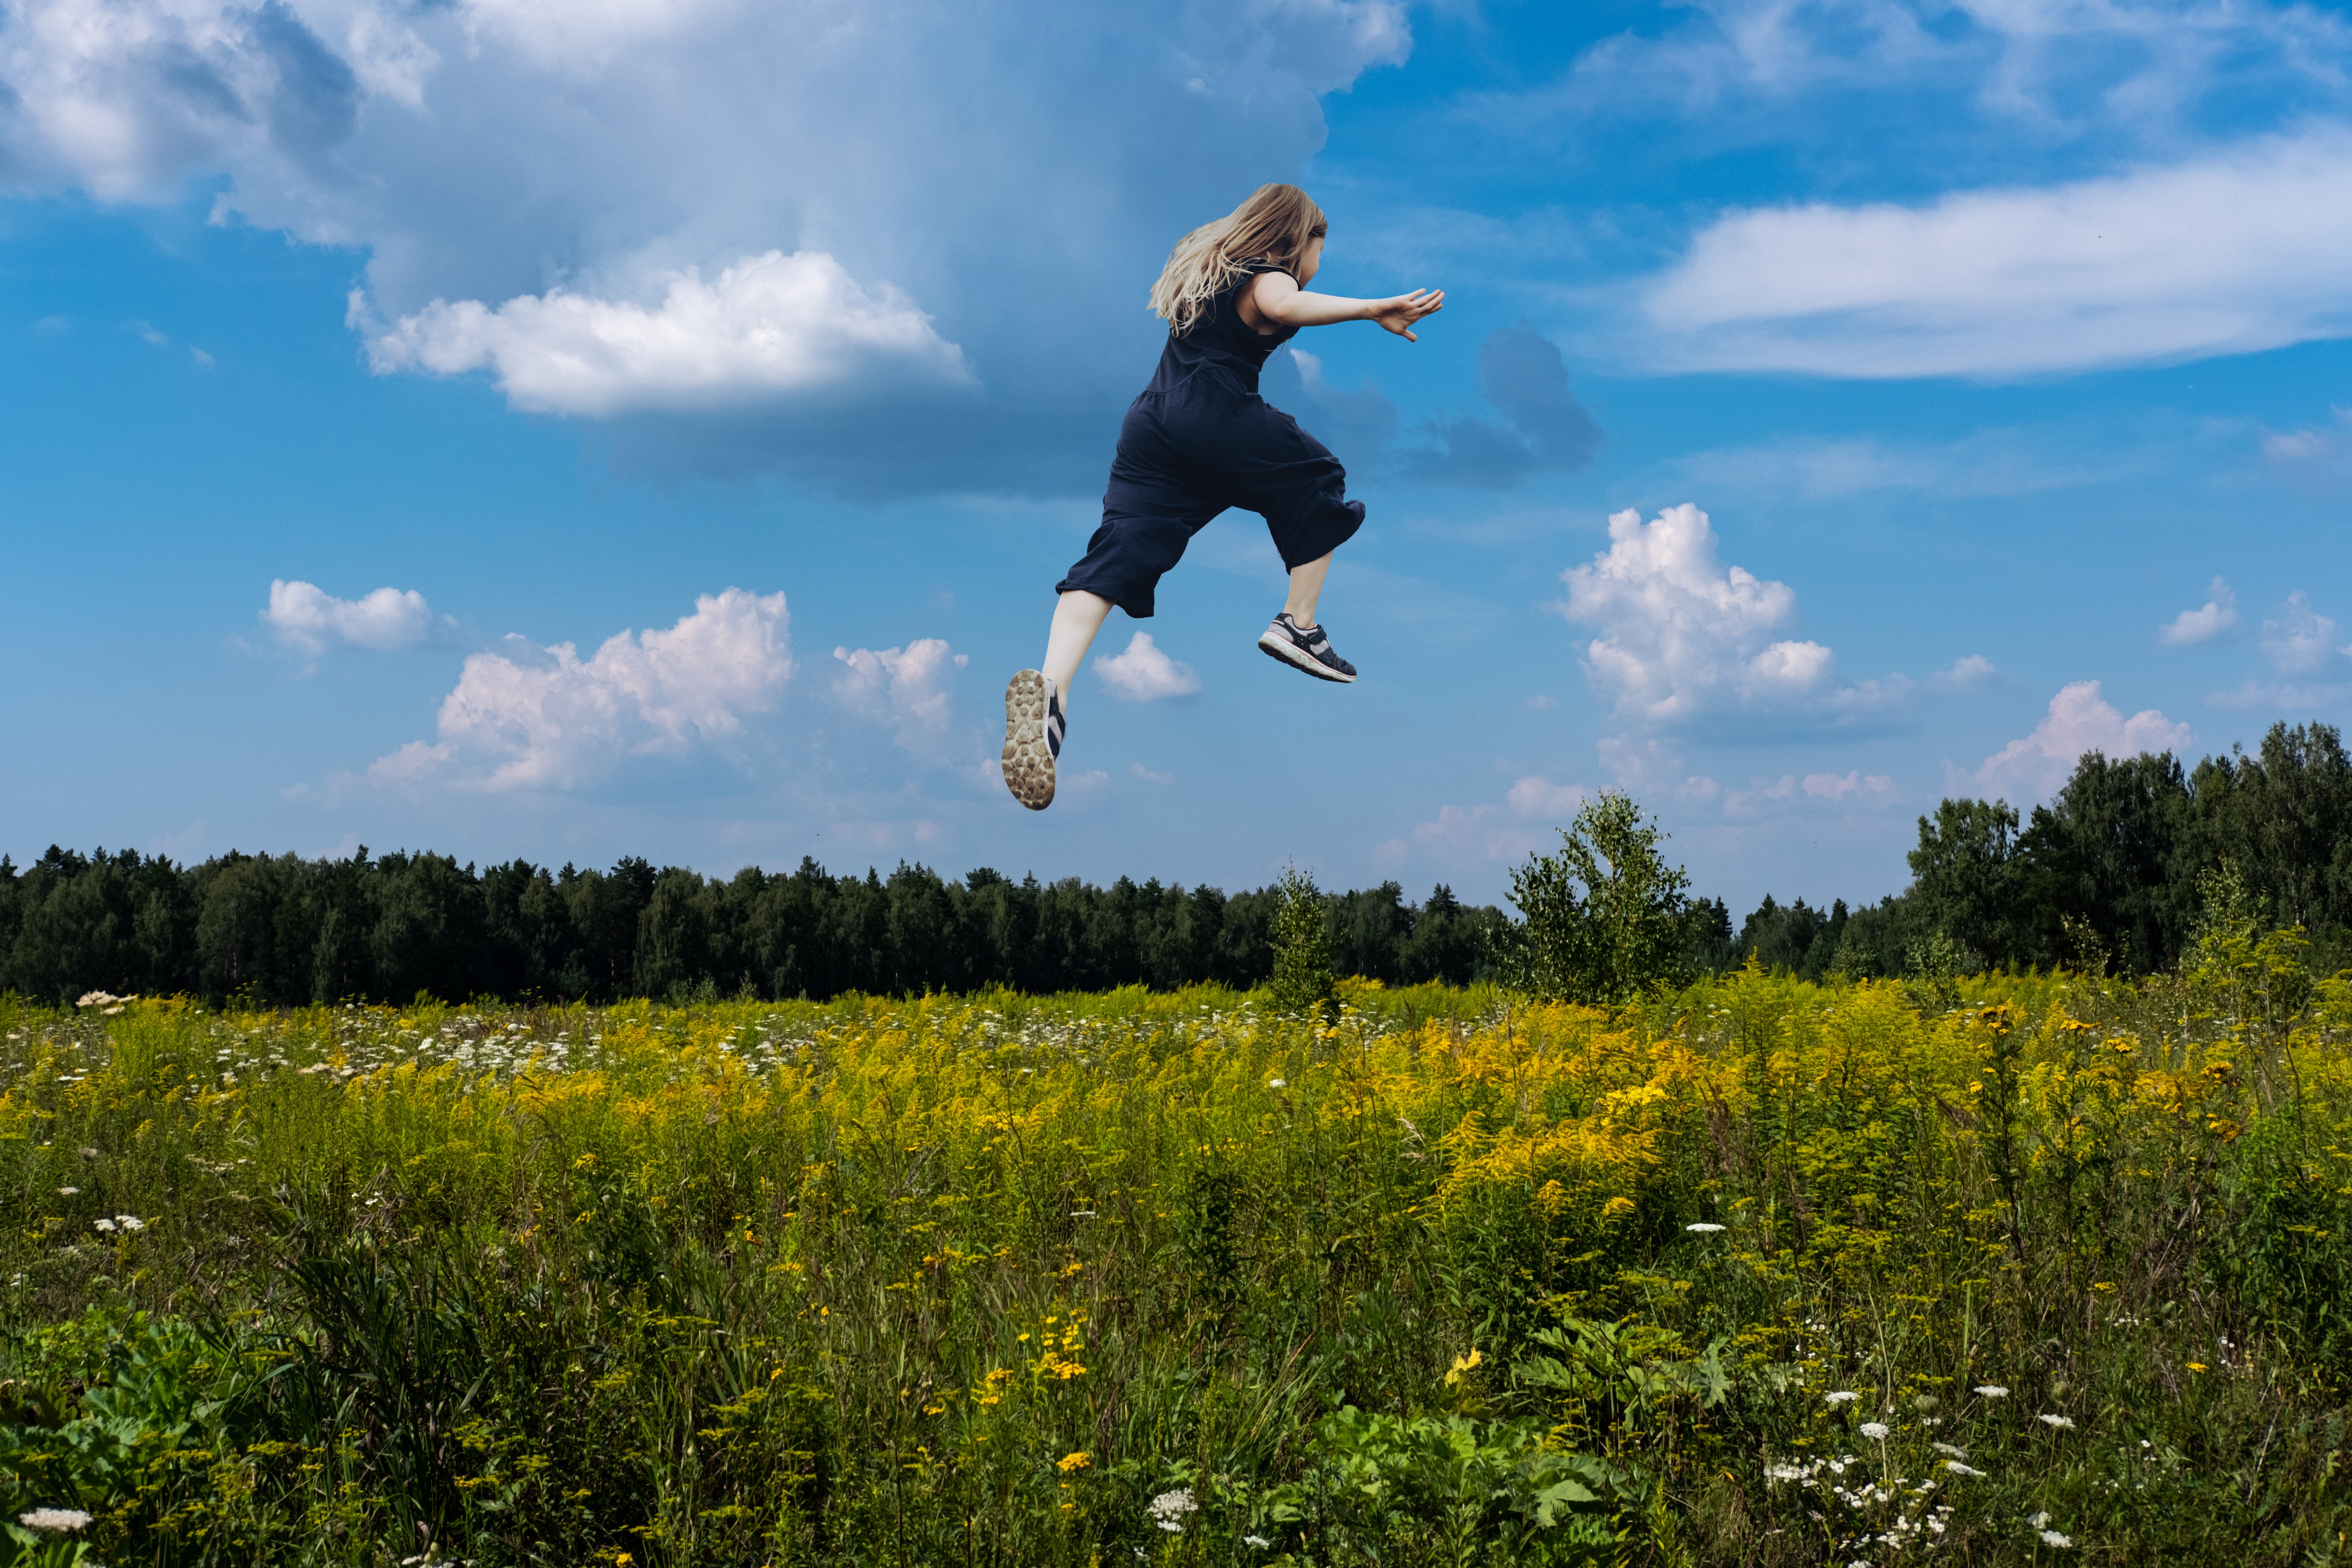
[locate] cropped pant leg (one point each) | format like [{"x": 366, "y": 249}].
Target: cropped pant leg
[{"x": 1186, "y": 454}]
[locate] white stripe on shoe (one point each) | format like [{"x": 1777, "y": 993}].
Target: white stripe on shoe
[{"x": 1309, "y": 650}]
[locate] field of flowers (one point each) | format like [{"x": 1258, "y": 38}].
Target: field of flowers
[{"x": 2037, "y": 1269}]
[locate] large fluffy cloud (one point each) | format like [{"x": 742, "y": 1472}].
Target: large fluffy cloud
[
  {"x": 2080, "y": 720},
  {"x": 655, "y": 204},
  {"x": 1681, "y": 636},
  {"x": 774, "y": 325},
  {"x": 2223, "y": 254},
  {"x": 543, "y": 718},
  {"x": 1689, "y": 644}
]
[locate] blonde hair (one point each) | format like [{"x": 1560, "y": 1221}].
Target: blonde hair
[{"x": 1275, "y": 224}]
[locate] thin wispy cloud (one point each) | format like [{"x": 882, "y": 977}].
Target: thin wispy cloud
[
  {"x": 2298, "y": 639},
  {"x": 2228, "y": 252}
]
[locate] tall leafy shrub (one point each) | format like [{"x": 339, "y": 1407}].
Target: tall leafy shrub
[
  {"x": 1302, "y": 945},
  {"x": 1605, "y": 918}
]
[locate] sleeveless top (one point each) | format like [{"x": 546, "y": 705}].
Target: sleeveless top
[{"x": 1220, "y": 338}]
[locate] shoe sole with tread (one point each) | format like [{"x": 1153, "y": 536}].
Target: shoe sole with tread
[{"x": 1028, "y": 760}]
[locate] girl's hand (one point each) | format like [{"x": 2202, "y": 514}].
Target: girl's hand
[{"x": 1399, "y": 314}]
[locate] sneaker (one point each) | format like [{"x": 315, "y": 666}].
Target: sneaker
[
  {"x": 1032, "y": 739},
  {"x": 1309, "y": 650}
]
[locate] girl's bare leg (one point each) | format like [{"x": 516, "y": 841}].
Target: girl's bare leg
[
  {"x": 1076, "y": 618},
  {"x": 1305, "y": 591}
]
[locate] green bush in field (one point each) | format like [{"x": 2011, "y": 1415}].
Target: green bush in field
[
  {"x": 1754, "y": 1272},
  {"x": 1605, "y": 918},
  {"x": 1302, "y": 979}
]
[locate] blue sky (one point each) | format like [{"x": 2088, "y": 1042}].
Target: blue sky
[{"x": 571, "y": 428}]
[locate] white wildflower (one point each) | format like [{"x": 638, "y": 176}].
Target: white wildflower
[
  {"x": 105, "y": 1224},
  {"x": 1876, "y": 1431},
  {"x": 1260, "y": 1542},
  {"x": 2037, "y": 1521},
  {"x": 1946, "y": 1448},
  {"x": 64, "y": 1521},
  {"x": 2062, "y": 1422},
  {"x": 1277, "y": 1083},
  {"x": 68, "y": 1192},
  {"x": 1958, "y": 1468},
  {"x": 1704, "y": 1228},
  {"x": 1169, "y": 1509},
  {"x": 1842, "y": 1396},
  {"x": 1992, "y": 1391},
  {"x": 2051, "y": 1538},
  {"x": 129, "y": 1222}
]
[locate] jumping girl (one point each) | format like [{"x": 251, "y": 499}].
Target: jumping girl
[{"x": 1200, "y": 439}]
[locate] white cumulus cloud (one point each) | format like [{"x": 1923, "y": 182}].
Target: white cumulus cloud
[
  {"x": 2080, "y": 720},
  {"x": 2217, "y": 615},
  {"x": 1144, "y": 674},
  {"x": 308, "y": 619},
  {"x": 905, "y": 688},
  {"x": 565, "y": 193},
  {"x": 2298, "y": 639},
  {"x": 2228, "y": 253},
  {"x": 1682, "y": 635},
  {"x": 768, "y": 327},
  {"x": 544, "y": 718}
]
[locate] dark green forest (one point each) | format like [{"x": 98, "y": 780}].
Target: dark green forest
[
  {"x": 2108, "y": 873},
  {"x": 2111, "y": 871},
  {"x": 281, "y": 929}
]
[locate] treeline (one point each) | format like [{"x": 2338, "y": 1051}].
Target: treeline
[
  {"x": 2111, "y": 871},
  {"x": 2114, "y": 870},
  {"x": 285, "y": 930}
]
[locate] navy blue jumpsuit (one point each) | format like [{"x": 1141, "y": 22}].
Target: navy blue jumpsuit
[{"x": 1200, "y": 439}]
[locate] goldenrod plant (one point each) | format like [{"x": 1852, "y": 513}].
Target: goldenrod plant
[{"x": 1756, "y": 1271}]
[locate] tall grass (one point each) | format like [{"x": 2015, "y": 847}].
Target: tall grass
[{"x": 1763, "y": 1273}]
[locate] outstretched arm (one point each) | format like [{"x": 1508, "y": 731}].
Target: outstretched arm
[{"x": 1277, "y": 299}]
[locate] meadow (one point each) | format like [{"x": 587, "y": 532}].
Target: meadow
[{"x": 2003, "y": 1269}]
